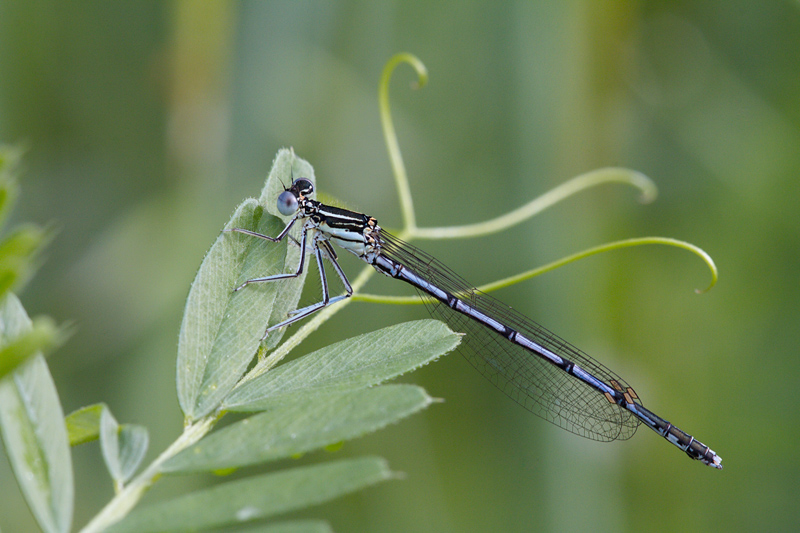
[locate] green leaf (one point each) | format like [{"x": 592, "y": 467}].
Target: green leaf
[
  {"x": 258, "y": 497},
  {"x": 123, "y": 447},
  {"x": 354, "y": 363},
  {"x": 221, "y": 329},
  {"x": 300, "y": 427},
  {"x": 42, "y": 336},
  {"x": 286, "y": 168},
  {"x": 32, "y": 426},
  {"x": 133, "y": 441},
  {"x": 83, "y": 425}
]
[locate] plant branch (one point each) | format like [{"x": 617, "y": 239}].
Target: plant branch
[{"x": 122, "y": 503}]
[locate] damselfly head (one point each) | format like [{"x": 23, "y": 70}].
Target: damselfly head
[{"x": 289, "y": 199}]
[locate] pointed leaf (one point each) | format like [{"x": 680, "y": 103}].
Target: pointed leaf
[
  {"x": 358, "y": 362},
  {"x": 300, "y": 427},
  {"x": 123, "y": 447},
  {"x": 32, "y": 425},
  {"x": 286, "y": 168},
  {"x": 258, "y": 497},
  {"x": 133, "y": 441},
  {"x": 109, "y": 444},
  {"x": 83, "y": 425},
  {"x": 221, "y": 329}
]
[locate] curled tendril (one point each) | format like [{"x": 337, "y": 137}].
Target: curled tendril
[
  {"x": 410, "y": 229},
  {"x": 537, "y": 205},
  {"x": 616, "y": 245},
  {"x": 390, "y": 136}
]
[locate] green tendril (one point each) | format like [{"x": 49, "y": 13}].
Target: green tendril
[
  {"x": 390, "y": 136},
  {"x": 616, "y": 245},
  {"x": 506, "y": 282},
  {"x": 537, "y": 205},
  {"x": 647, "y": 188}
]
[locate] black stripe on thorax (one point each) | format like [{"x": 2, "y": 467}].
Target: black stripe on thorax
[{"x": 339, "y": 218}]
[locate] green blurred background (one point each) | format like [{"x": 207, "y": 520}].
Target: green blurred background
[{"x": 146, "y": 123}]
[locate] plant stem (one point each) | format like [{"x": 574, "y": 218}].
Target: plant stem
[{"x": 121, "y": 504}]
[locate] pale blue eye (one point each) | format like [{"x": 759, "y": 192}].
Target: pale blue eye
[{"x": 287, "y": 203}]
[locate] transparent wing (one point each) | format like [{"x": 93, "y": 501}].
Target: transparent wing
[{"x": 539, "y": 386}]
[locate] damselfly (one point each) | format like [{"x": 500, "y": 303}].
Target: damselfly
[{"x": 537, "y": 369}]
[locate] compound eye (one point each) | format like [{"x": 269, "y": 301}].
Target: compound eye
[
  {"x": 303, "y": 186},
  {"x": 287, "y": 203}
]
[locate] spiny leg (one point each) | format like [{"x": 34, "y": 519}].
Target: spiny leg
[
  {"x": 299, "y": 314},
  {"x": 279, "y": 238},
  {"x": 325, "y": 247},
  {"x": 277, "y": 276},
  {"x": 320, "y": 246},
  {"x": 332, "y": 258}
]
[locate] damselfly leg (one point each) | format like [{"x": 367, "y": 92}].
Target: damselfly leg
[{"x": 320, "y": 248}]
